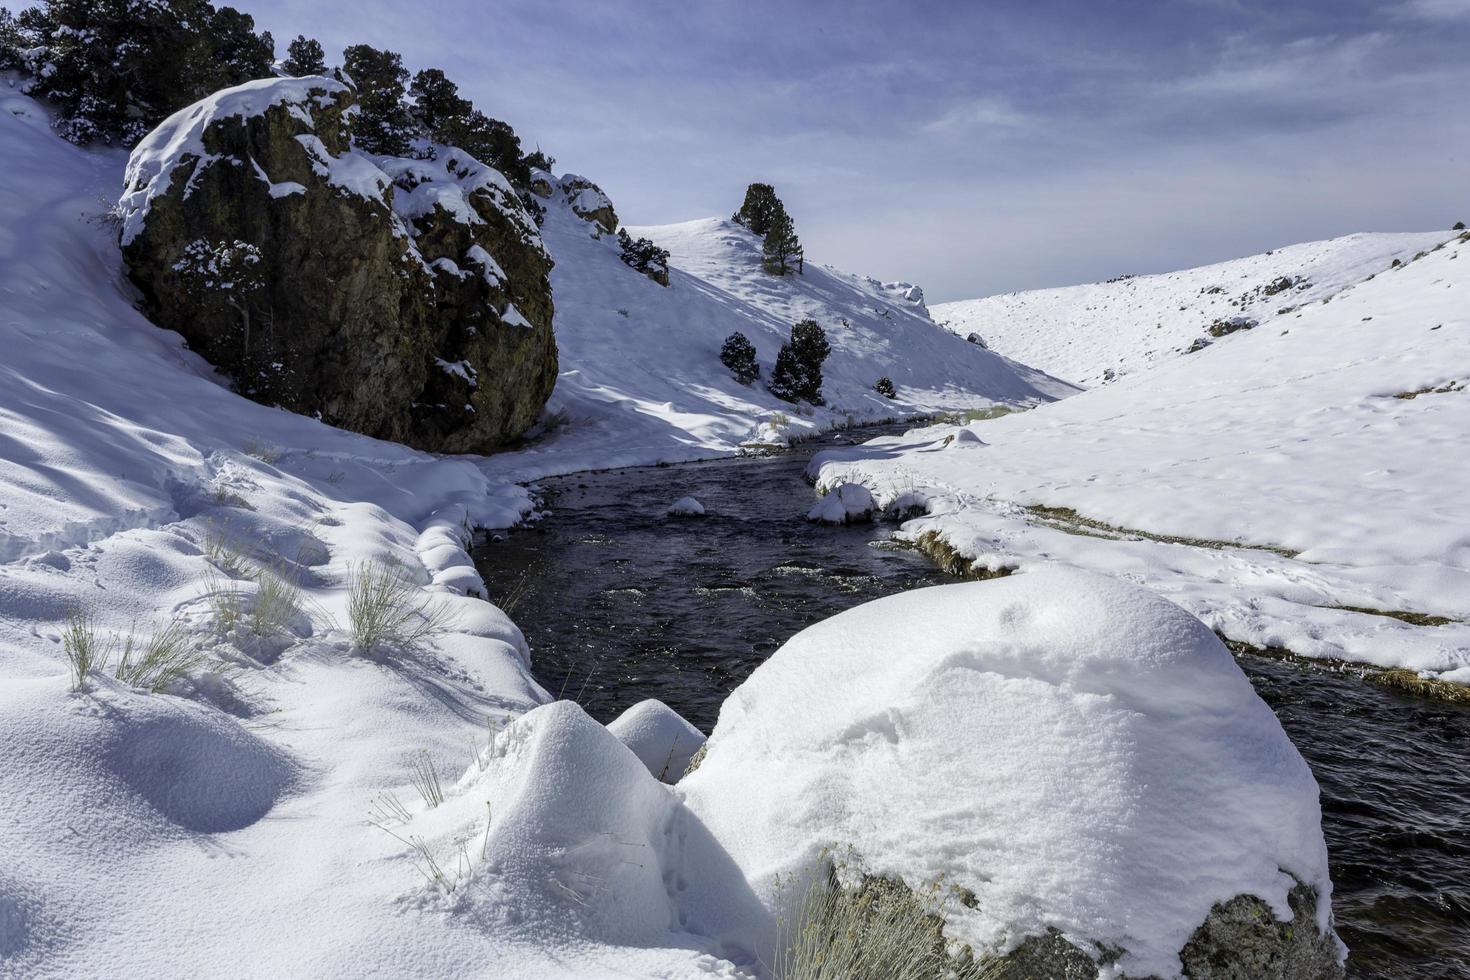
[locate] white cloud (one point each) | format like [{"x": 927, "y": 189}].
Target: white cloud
[
  {"x": 977, "y": 114},
  {"x": 1436, "y": 9}
]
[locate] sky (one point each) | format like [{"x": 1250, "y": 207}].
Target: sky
[{"x": 972, "y": 148}]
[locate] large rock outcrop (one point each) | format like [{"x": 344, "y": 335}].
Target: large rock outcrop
[{"x": 403, "y": 298}]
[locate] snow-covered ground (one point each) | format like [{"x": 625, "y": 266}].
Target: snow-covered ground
[
  {"x": 1081, "y": 332},
  {"x": 226, "y": 827},
  {"x": 1319, "y": 457}
]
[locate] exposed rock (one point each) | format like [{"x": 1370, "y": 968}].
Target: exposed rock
[
  {"x": 1223, "y": 328},
  {"x": 588, "y": 202},
  {"x": 406, "y": 299},
  {"x": 1243, "y": 940}
]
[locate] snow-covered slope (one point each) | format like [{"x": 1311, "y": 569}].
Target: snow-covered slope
[
  {"x": 1327, "y": 444},
  {"x": 1081, "y": 333},
  {"x": 641, "y": 379}
]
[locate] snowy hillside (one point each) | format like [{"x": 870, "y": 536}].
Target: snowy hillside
[
  {"x": 1299, "y": 486},
  {"x": 1081, "y": 333},
  {"x": 147, "y": 509},
  {"x": 641, "y": 380}
]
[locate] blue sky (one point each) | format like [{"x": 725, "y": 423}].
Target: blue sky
[{"x": 973, "y": 147}]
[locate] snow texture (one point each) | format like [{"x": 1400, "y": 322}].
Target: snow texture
[{"x": 1077, "y": 752}]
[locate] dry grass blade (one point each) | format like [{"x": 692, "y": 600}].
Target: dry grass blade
[
  {"x": 426, "y": 780},
  {"x": 277, "y": 601}
]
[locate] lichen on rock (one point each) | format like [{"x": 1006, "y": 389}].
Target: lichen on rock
[{"x": 371, "y": 273}]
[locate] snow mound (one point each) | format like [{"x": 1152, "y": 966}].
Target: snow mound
[
  {"x": 686, "y": 507},
  {"x": 197, "y": 767},
  {"x": 1078, "y": 753},
  {"x": 659, "y": 736},
  {"x": 1092, "y": 333},
  {"x": 843, "y": 504}
]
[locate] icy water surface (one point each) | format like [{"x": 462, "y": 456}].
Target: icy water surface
[{"x": 621, "y": 603}]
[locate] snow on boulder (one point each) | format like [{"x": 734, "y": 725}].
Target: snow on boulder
[
  {"x": 964, "y": 437},
  {"x": 1078, "y": 758},
  {"x": 659, "y": 736},
  {"x": 407, "y": 299},
  {"x": 843, "y": 504},
  {"x": 686, "y": 507},
  {"x": 588, "y": 202}
]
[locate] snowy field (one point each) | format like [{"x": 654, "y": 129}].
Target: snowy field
[
  {"x": 1090, "y": 334},
  {"x": 1315, "y": 464}
]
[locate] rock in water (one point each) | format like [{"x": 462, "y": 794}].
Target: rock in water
[
  {"x": 1075, "y": 768},
  {"x": 406, "y": 299}
]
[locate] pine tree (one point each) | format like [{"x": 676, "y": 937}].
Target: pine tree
[
  {"x": 383, "y": 124},
  {"x": 437, "y": 101},
  {"x": 884, "y": 387},
  {"x": 798, "y": 372},
  {"x": 643, "y": 255},
  {"x": 536, "y": 160},
  {"x": 114, "y": 69},
  {"x": 490, "y": 141},
  {"x": 10, "y": 42},
  {"x": 738, "y": 354},
  {"x": 781, "y": 248},
  {"x": 304, "y": 56},
  {"x": 759, "y": 209}
]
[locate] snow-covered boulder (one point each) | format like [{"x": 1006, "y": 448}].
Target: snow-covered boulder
[
  {"x": 1078, "y": 759},
  {"x": 843, "y": 504},
  {"x": 686, "y": 507},
  {"x": 588, "y": 202},
  {"x": 407, "y": 299},
  {"x": 964, "y": 437},
  {"x": 659, "y": 737}
]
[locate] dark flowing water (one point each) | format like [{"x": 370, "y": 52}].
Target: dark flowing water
[{"x": 622, "y": 603}]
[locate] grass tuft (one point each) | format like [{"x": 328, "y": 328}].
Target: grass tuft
[
  {"x": 385, "y": 606},
  {"x": 878, "y": 929},
  {"x": 165, "y": 657},
  {"x": 85, "y": 651},
  {"x": 426, "y": 780}
]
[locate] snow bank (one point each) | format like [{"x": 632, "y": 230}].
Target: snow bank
[
  {"x": 659, "y": 737},
  {"x": 1078, "y": 753}
]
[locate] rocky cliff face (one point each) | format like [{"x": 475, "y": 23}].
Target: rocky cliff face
[{"x": 406, "y": 299}]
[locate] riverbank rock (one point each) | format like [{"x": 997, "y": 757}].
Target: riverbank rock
[
  {"x": 407, "y": 299},
  {"x": 659, "y": 737},
  {"x": 1073, "y": 769},
  {"x": 686, "y": 507},
  {"x": 846, "y": 503}
]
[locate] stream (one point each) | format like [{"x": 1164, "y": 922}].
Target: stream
[{"x": 620, "y": 603}]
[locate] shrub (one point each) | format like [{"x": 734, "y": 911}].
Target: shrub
[
  {"x": 798, "y": 372},
  {"x": 116, "y": 69},
  {"x": 884, "y": 387},
  {"x": 645, "y": 256},
  {"x": 386, "y": 607},
  {"x": 738, "y": 354},
  {"x": 759, "y": 208},
  {"x": 1459, "y": 226},
  {"x": 304, "y": 56},
  {"x": 536, "y": 160}
]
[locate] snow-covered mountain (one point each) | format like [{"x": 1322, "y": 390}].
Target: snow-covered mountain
[
  {"x": 1091, "y": 333},
  {"x": 1298, "y": 486}
]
